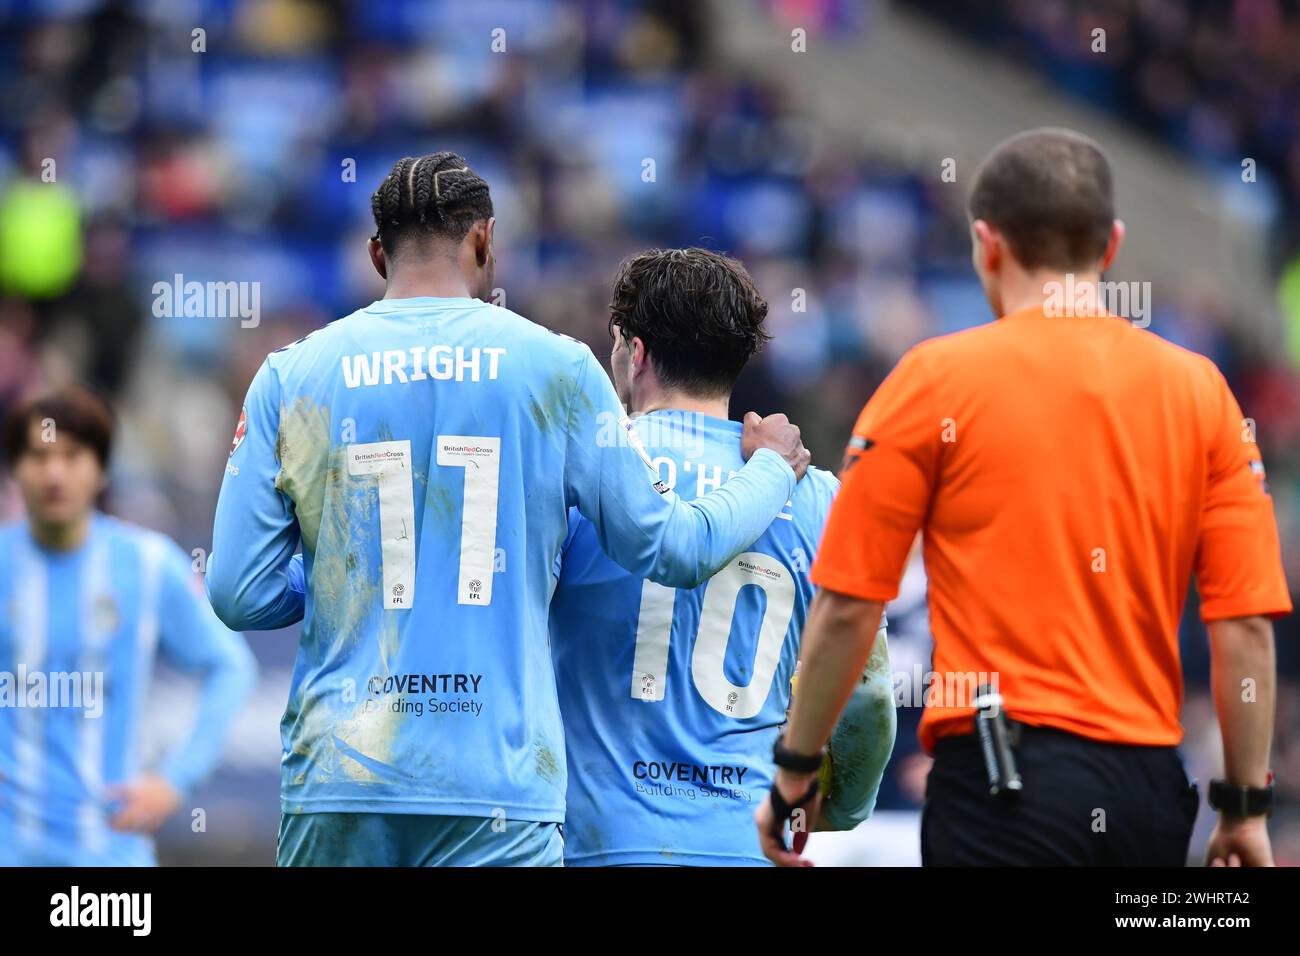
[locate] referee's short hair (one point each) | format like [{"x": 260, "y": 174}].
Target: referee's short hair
[{"x": 1049, "y": 192}]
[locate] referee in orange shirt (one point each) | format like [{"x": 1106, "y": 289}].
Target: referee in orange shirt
[{"x": 1069, "y": 473}]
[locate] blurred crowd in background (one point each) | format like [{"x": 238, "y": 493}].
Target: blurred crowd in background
[
  {"x": 1217, "y": 79},
  {"x": 248, "y": 152}
]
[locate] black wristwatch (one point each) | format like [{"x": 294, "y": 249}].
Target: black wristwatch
[
  {"x": 796, "y": 762},
  {"x": 1237, "y": 801}
]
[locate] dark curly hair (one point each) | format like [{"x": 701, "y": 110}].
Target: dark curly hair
[
  {"x": 698, "y": 313},
  {"x": 434, "y": 195}
]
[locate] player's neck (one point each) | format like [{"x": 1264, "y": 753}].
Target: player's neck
[
  {"x": 681, "y": 402},
  {"x": 1031, "y": 290},
  {"x": 436, "y": 280},
  {"x": 61, "y": 535}
]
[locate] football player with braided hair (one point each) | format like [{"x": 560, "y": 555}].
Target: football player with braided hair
[{"x": 425, "y": 451}]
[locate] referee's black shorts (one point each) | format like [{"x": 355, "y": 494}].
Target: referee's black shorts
[{"x": 1084, "y": 803}]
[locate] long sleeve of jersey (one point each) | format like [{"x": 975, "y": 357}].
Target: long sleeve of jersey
[
  {"x": 255, "y": 532},
  {"x": 862, "y": 742},
  {"x": 191, "y": 638},
  {"x": 652, "y": 533}
]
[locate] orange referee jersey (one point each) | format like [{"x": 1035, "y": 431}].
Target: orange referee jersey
[{"x": 1069, "y": 475}]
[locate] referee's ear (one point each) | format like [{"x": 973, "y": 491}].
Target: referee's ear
[{"x": 1112, "y": 246}]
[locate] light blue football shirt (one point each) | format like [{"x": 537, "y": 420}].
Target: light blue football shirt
[
  {"x": 79, "y": 634},
  {"x": 426, "y": 453},
  {"x": 673, "y": 699}
]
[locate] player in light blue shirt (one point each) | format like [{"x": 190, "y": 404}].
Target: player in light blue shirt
[
  {"x": 672, "y": 699},
  {"x": 88, "y": 603},
  {"x": 425, "y": 452}
]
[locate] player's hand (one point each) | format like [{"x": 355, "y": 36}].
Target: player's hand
[
  {"x": 775, "y": 432},
  {"x": 1239, "y": 841},
  {"x": 147, "y": 801},
  {"x": 771, "y": 832}
]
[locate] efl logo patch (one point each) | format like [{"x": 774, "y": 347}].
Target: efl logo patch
[{"x": 240, "y": 429}]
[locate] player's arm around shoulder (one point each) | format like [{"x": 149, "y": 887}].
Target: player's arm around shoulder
[{"x": 643, "y": 525}]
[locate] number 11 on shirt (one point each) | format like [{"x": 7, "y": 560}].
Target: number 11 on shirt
[
  {"x": 389, "y": 462},
  {"x": 481, "y": 459}
]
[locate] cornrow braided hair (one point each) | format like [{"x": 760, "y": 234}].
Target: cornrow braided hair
[{"x": 434, "y": 195}]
